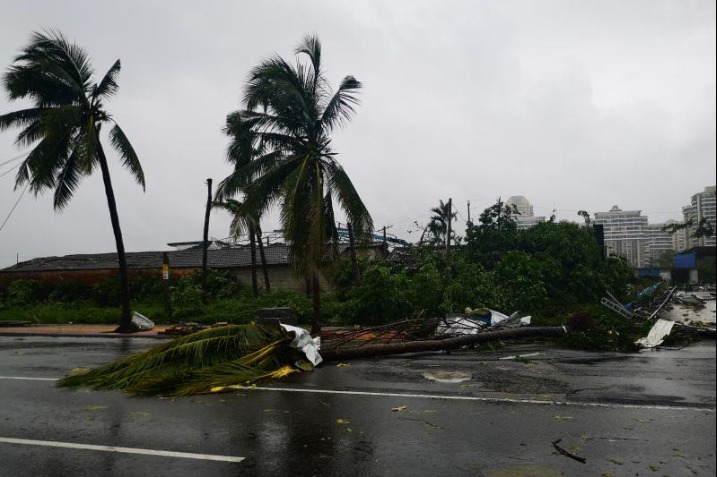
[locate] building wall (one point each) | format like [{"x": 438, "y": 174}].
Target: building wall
[{"x": 84, "y": 277}]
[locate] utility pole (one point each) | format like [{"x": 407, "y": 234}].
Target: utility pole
[
  {"x": 448, "y": 230},
  {"x": 205, "y": 296},
  {"x": 469, "y": 211}
]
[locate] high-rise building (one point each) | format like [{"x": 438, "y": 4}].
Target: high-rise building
[
  {"x": 702, "y": 207},
  {"x": 659, "y": 246},
  {"x": 624, "y": 234},
  {"x": 526, "y": 219}
]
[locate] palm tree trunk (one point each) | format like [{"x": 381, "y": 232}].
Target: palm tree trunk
[
  {"x": 252, "y": 246},
  {"x": 205, "y": 244},
  {"x": 316, "y": 304},
  {"x": 371, "y": 351},
  {"x": 126, "y": 299},
  {"x": 262, "y": 255}
]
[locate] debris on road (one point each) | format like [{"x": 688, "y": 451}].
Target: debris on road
[
  {"x": 582, "y": 460},
  {"x": 660, "y": 330}
]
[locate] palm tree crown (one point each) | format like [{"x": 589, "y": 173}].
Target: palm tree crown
[
  {"x": 282, "y": 154},
  {"x": 66, "y": 118}
]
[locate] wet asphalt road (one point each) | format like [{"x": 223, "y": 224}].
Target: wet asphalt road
[{"x": 648, "y": 414}]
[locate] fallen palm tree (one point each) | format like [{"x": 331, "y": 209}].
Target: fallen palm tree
[
  {"x": 211, "y": 360},
  {"x": 229, "y": 357},
  {"x": 334, "y": 353}
]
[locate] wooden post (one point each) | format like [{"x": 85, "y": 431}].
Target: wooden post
[
  {"x": 165, "y": 282},
  {"x": 205, "y": 295},
  {"x": 354, "y": 261}
]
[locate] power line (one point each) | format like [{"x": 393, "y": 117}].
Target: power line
[
  {"x": 13, "y": 207},
  {"x": 10, "y": 170},
  {"x": 14, "y": 158}
]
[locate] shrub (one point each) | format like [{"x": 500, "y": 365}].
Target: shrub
[{"x": 25, "y": 293}]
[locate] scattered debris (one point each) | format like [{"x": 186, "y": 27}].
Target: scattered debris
[
  {"x": 582, "y": 460},
  {"x": 141, "y": 322},
  {"x": 660, "y": 330},
  {"x": 305, "y": 343},
  {"x": 398, "y": 409}
]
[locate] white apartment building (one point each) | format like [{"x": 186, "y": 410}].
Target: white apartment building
[
  {"x": 624, "y": 234},
  {"x": 702, "y": 206},
  {"x": 526, "y": 219},
  {"x": 657, "y": 243}
]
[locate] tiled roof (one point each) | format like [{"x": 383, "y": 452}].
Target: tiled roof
[{"x": 222, "y": 258}]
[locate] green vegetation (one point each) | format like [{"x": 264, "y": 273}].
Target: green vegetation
[{"x": 553, "y": 271}]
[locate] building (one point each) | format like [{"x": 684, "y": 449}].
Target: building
[
  {"x": 695, "y": 265},
  {"x": 659, "y": 247},
  {"x": 624, "y": 234},
  {"x": 526, "y": 219},
  {"x": 701, "y": 208},
  {"x": 90, "y": 269}
]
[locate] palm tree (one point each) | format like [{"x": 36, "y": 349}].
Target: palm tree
[
  {"x": 437, "y": 229},
  {"x": 285, "y": 128},
  {"x": 244, "y": 222},
  {"x": 64, "y": 126}
]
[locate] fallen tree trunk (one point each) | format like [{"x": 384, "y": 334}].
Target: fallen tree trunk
[{"x": 369, "y": 351}]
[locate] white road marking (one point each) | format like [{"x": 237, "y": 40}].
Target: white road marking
[
  {"x": 20, "y": 378},
  {"x": 484, "y": 399},
  {"x": 123, "y": 450},
  {"x": 451, "y": 397}
]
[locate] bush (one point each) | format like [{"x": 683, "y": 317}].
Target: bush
[
  {"x": 68, "y": 292},
  {"x": 186, "y": 298},
  {"x": 106, "y": 292},
  {"x": 25, "y": 293}
]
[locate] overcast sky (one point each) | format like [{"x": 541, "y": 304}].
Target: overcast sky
[{"x": 573, "y": 104}]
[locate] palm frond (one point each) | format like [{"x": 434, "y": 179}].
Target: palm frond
[
  {"x": 67, "y": 181},
  {"x": 127, "y": 153},
  {"x": 21, "y": 118},
  {"x": 199, "y": 350},
  {"x": 340, "y": 107},
  {"x": 108, "y": 86},
  {"x": 51, "y": 71},
  {"x": 349, "y": 199},
  {"x": 212, "y": 360},
  {"x": 311, "y": 47}
]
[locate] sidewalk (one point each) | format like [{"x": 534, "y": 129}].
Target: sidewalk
[{"x": 104, "y": 331}]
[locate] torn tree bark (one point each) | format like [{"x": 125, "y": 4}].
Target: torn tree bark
[{"x": 370, "y": 351}]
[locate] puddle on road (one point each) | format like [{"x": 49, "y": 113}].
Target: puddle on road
[{"x": 448, "y": 376}]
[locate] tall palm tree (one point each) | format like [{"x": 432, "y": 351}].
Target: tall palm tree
[
  {"x": 245, "y": 222},
  {"x": 289, "y": 115},
  {"x": 63, "y": 127},
  {"x": 435, "y": 232}
]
